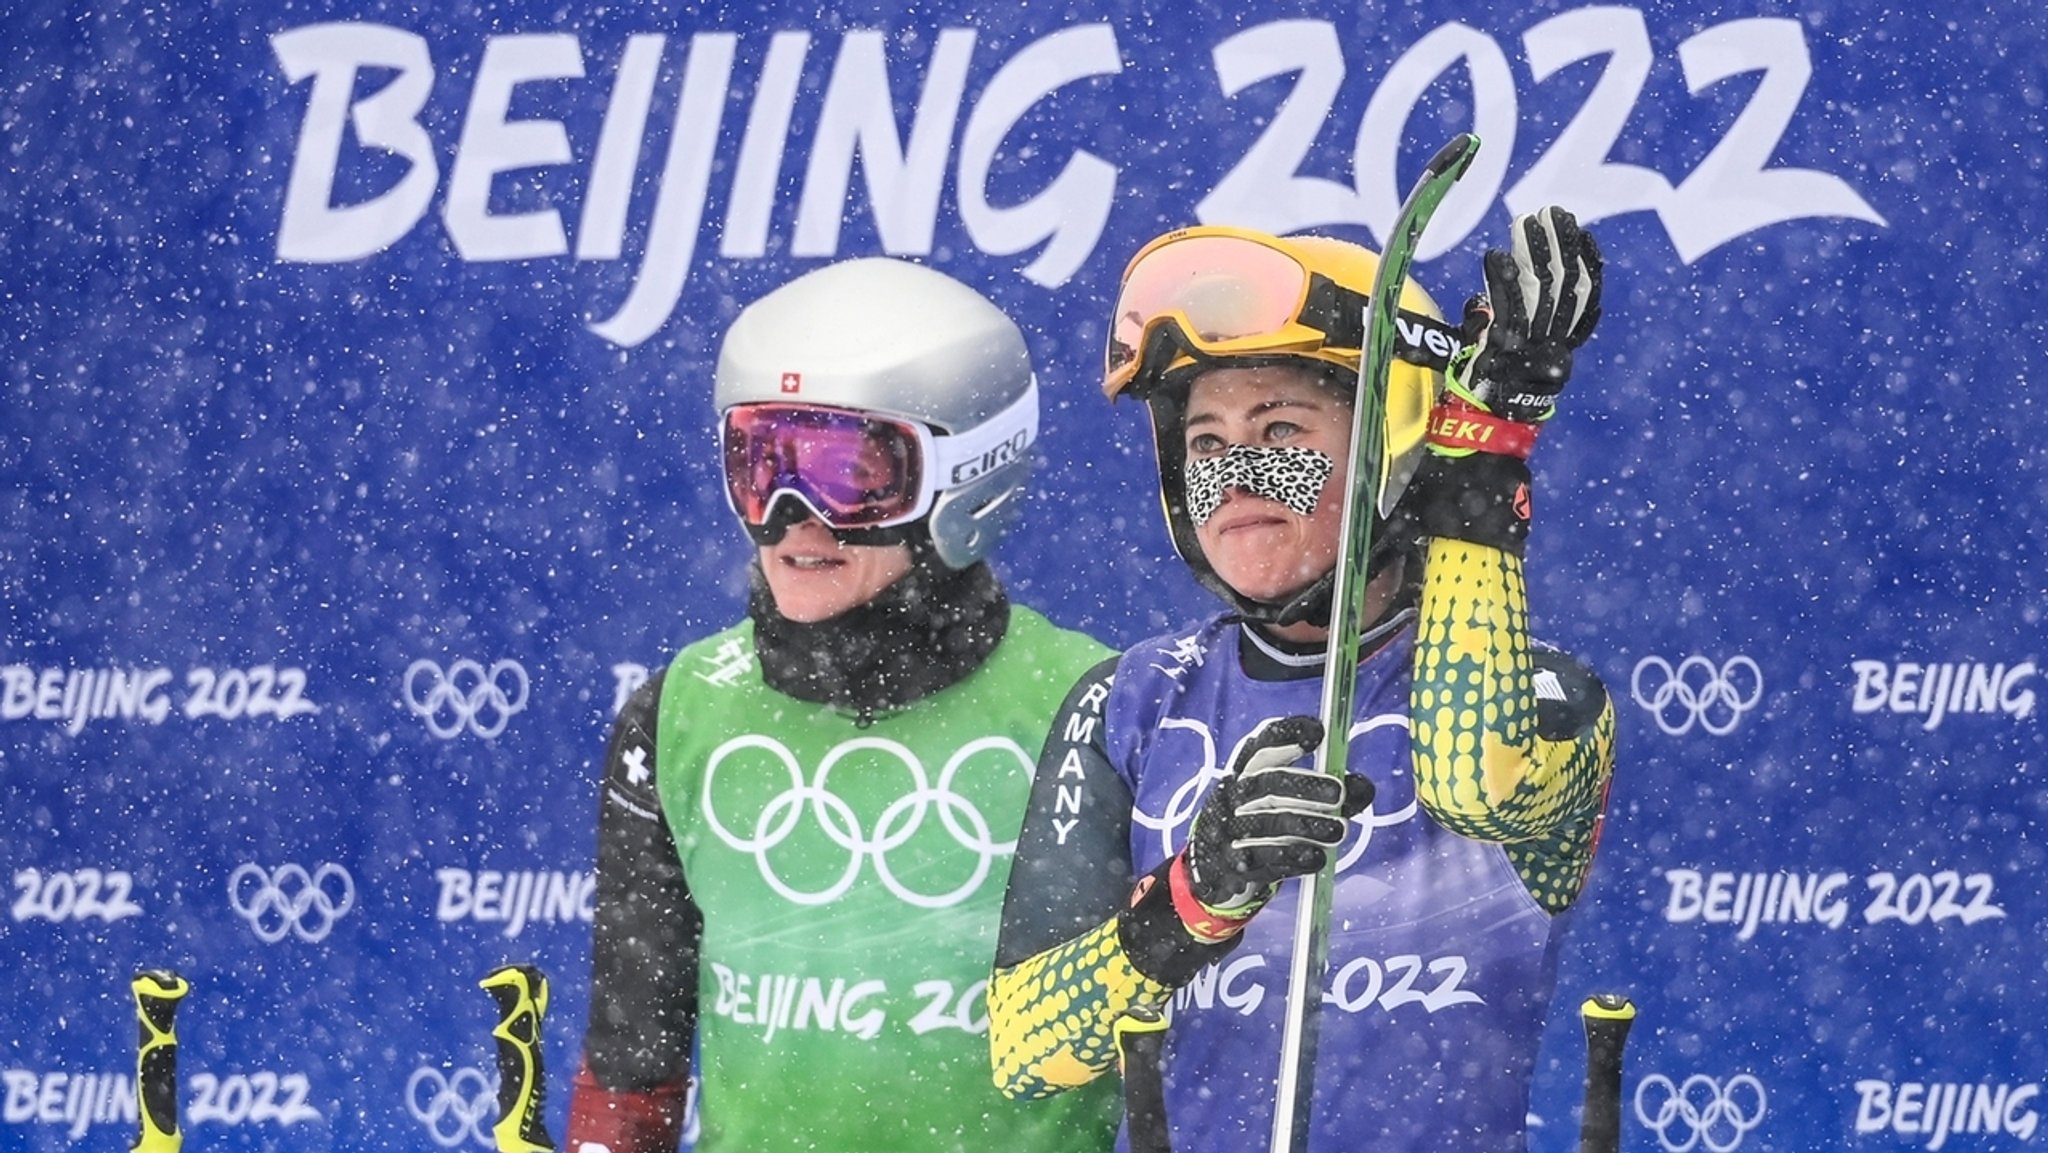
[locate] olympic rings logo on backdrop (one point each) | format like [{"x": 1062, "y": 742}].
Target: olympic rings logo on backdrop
[
  {"x": 454, "y": 1108},
  {"x": 288, "y": 900},
  {"x": 1181, "y": 806},
  {"x": 902, "y": 820},
  {"x": 1697, "y": 692},
  {"x": 1701, "y": 1112},
  {"x": 465, "y": 696}
]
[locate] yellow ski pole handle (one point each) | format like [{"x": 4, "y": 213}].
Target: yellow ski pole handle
[
  {"x": 157, "y": 993},
  {"x": 521, "y": 992},
  {"x": 1607, "y": 1017}
]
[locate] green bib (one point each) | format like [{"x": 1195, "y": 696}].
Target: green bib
[{"x": 851, "y": 881}]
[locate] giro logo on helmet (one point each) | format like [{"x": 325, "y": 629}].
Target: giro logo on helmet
[{"x": 1008, "y": 452}]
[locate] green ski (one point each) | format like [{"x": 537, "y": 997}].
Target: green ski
[{"x": 1296, "y": 1082}]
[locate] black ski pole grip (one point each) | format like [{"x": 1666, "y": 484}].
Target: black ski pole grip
[
  {"x": 1140, "y": 1039},
  {"x": 1459, "y": 152},
  {"x": 521, "y": 993},
  {"x": 157, "y": 993},
  {"x": 1607, "y": 1018}
]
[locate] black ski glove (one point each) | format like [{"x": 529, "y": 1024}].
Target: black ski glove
[
  {"x": 1541, "y": 304},
  {"x": 1270, "y": 819}
]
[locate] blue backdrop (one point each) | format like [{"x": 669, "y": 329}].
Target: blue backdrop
[{"x": 357, "y": 461}]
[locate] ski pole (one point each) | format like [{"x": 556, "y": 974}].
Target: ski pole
[
  {"x": 1607, "y": 1017},
  {"x": 1362, "y": 493},
  {"x": 521, "y": 993},
  {"x": 157, "y": 993},
  {"x": 1140, "y": 1037}
]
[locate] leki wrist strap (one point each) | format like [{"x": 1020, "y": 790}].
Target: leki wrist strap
[
  {"x": 1203, "y": 923},
  {"x": 1458, "y": 425}
]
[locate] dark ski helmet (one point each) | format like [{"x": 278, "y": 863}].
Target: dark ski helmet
[{"x": 907, "y": 396}]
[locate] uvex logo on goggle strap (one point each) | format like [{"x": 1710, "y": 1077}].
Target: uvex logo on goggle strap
[{"x": 1427, "y": 341}]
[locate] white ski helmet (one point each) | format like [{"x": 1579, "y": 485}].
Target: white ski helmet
[{"x": 890, "y": 339}]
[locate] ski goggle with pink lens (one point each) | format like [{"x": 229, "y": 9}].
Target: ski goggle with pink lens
[
  {"x": 1226, "y": 292},
  {"x": 860, "y": 470}
]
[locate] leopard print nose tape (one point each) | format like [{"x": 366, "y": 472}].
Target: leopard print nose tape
[{"x": 1292, "y": 476}]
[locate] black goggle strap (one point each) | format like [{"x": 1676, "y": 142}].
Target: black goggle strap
[
  {"x": 1336, "y": 311},
  {"x": 1158, "y": 348},
  {"x": 1340, "y": 313}
]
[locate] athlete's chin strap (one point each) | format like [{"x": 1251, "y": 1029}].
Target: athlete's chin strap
[
  {"x": 926, "y": 632},
  {"x": 1312, "y": 604}
]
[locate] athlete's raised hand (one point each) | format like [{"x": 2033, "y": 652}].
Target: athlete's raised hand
[{"x": 1541, "y": 302}]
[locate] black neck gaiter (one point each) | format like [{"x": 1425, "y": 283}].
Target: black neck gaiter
[{"x": 924, "y": 633}]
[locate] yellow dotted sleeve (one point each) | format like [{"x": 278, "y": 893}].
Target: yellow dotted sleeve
[
  {"x": 1482, "y": 769},
  {"x": 1052, "y": 1016}
]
